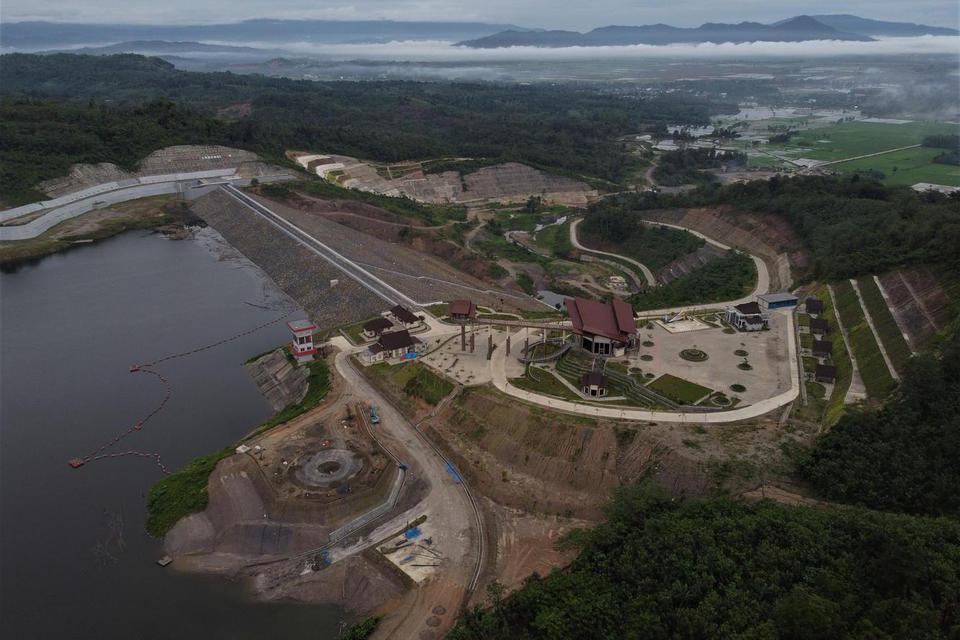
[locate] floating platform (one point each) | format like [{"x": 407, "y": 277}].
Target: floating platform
[{"x": 164, "y": 561}]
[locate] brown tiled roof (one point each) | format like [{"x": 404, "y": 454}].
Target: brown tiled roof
[
  {"x": 825, "y": 371},
  {"x": 822, "y": 348},
  {"x": 463, "y": 308},
  {"x": 819, "y": 325},
  {"x": 614, "y": 321},
  {"x": 397, "y": 340},
  {"x": 748, "y": 308},
  {"x": 377, "y": 324},
  {"x": 594, "y": 378},
  {"x": 404, "y": 315}
]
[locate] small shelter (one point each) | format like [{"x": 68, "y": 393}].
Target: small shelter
[
  {"x": 375, "y": 327},
  {"x": 819, "y": 326},
  {"x": 813, "y": 306},
  {"x": 404, "y": 317},
  {"x": 462, "y": 310},
  {"x": 594, "y": 384},
  {"x": 825, "y": 373},
  {"x": 822, "y": 348}
]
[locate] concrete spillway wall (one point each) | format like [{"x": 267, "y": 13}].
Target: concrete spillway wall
[{"x": 303, "y": 275}]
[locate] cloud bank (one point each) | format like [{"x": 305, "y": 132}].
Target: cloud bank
[{"x": 438, "y": 51}]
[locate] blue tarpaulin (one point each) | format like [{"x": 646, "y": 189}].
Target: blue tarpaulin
[
  {"x": 453, "y": 472},
  {"x": 411, "y": 533}
]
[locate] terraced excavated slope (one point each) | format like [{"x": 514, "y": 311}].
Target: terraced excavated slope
[
  {"x": 509, "y": 181},
  {"x": 766, "y": 237}
]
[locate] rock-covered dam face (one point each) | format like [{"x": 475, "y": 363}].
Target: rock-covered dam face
[{"x": 300, "y": 273}]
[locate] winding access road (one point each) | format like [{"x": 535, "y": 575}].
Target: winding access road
[{"x": 651, "y": 280}]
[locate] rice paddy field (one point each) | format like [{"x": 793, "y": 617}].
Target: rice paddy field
[{"x": 837, "y": 141}]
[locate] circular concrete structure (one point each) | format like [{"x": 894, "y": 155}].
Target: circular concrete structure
[{"x": 328, "y": 467}]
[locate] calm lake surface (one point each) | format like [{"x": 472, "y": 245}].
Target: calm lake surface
[{"x": 74, "y": 557}]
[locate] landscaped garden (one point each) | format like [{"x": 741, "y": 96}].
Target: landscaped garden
[{"x": 678, "y": 389}]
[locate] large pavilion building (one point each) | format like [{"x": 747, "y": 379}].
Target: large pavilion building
[{"x": 603, "y": 329}]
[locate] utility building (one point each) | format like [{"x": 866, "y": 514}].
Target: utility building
[
  {"x": 747, "y": 317},
  {"x": 302, "y": 346},
  {"x": 397, "y": 345},
  {"x": 603, "y": 329},
  {"x": 770, "y": 301}
]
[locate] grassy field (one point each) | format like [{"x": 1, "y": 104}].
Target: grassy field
[
  {"x": 890, "y": 334},
  {"x": 873, "y": 369},
  {"x": 848, "y": 139},
  {"x": 415, "y": 379},
  {"x": 678, "y": 389},
  {"x": 355, "y": 331},
  {"x": 555, "y": 239},
  {"x": 540, "y": 381},
  {"x": 907, "y": 167},
  {"x": 841, "y": 360}
]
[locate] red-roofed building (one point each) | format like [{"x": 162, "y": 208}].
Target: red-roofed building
[
  {"x": 604, "y": 329},
  {"x": 462, "y": 310}
]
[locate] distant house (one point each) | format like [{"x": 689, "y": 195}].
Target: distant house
[
  {"x": 814, "y": 306},
  {"x": 394, "y": 345},
  {"x": 462, "y": 310},
  {"x": 404, "y": 317},
  {"x": 375, "y": 327},
  {"x": 603, "y": 329},
  {"x": 822, "y": 349},
  {"x": 825, "y": 373},
  {"x": 819, "y": 327},
  {"x": 594, "y": 384},
  {"x": 770, "y": 301},
  {"x": 747, "y": 317}
]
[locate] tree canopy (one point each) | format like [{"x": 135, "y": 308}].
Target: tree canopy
[
  {"x": 902, "y": 457},
  {"x": 668, "y": 568}
]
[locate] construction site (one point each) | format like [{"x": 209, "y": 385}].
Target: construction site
[{"x": 469, "y": 422}]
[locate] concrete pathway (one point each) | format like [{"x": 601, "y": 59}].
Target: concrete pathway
[
  {"x": 869, "y": 319},
  {"x": 500, "y": 381}
]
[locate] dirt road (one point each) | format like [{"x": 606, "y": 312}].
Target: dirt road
[
  {"x": 651, "y": 280},
  {"x": 450, "y": 511}
]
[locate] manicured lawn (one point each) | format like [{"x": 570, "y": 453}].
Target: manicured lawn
[
  {"x": 809, "y": 364},
  {"x": 355, "y": 332},
  {"x": 873, "y": 369},
  {"x": 806, "y": 340},
  {"x": 438, "y": 310},
  {"x": 890, "y": 334},
  {"x": 540, "y": 381},
  {"x": 678, "y": 389}
]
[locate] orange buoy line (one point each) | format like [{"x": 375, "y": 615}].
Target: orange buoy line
[{"x": 102, "y": 452}]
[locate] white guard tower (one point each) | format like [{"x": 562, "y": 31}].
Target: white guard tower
[{"x": 302, "y": 345}]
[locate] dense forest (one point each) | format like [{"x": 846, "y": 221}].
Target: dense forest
[
  {"x": 685, "y": 166},
  {"x": 727, "y": 278},
  {"x": 606, "y": 228},
  {"x": 572, "y": 130},
  {"x": 661, "y": 567},
  {"x": 904, "y": 456},
  {"x": 851, "y": 225}
]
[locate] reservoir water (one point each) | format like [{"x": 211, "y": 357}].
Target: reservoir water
[{"x": 74, "y": 557}]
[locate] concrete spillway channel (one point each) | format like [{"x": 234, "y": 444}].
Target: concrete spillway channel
[{"x": 344, "y": 264}]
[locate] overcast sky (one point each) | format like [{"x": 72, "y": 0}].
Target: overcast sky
[{"x": 558, "y": 14}]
